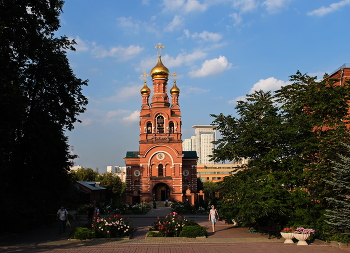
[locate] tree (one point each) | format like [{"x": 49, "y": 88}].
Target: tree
[
  {"x": 113, "y": 184},
  {"x": 291, "y": 138},
  {"x": 338, "y": 217},
  {"x": 209, "y": 188},
  {"x": 83, "y": 174},
  {"x": 40, "y": 98}
]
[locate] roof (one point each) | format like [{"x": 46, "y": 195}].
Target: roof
[
  {"x": 190, "y": 154},
  {"x": 203, "y": 126},
  {"x": 91, "y": 185},
  {"x": 132, "y": 154}
]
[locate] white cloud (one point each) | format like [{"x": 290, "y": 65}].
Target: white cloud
[
  {"x": 81, "y": 44},
  {"x": 96, "y": 117},
  {"x": 145, "y": 2},
  {"x": 194, "y": 5},
  {"x": 131, "y": 25},
  {"x": 273, "y": 6},
  {"x": 113, "y": 114},
  {"x": 204, "y": 36},
  {"x": 175, "y": 24},
  {"x": 148, "y": 63},
  {"x": 234, "y": 101},
  {"x": 268, "y": 84},
  {"x": 87, "y": 121},
  {"x": 119, "y": 52},
  {"x": 132, "y": 118},
  {"x": 245, "y": 5},
  {"x": 326, "y": 10},
  {"x": 171, "y": 5},
  {"x": 182, "y": 59},
  {"x": 185, "y": 90},
  {"x": 237, "y": 18},
  {"x": 124, "y": 93},
  {"x": 212, "y": 67},
  {"x": 184, "y": 6}
]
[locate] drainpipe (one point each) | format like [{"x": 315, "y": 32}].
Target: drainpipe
[{"x": 341, "y": 76}]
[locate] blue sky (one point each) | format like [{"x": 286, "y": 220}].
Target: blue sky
[{"x": 221, "y": 50}]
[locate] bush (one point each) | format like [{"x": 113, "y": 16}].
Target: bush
[
  {"x": 193, "y": 231},
  {"x": 115, "y": 226},
  {"x": 82, "y": 209},
  {"x": 183, "y": 207},
  {"x": 171, "y": 225},
  {"x": 81, "y": 233},
  {"x": 339, "y": 237}
]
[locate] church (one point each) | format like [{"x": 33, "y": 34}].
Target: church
[{"x": 160, "y": 169}]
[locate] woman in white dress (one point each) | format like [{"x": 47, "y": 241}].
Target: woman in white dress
[{"x": 213, "y": 216}]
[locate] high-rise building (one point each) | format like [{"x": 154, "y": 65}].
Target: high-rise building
[
  {"x": 118, "y": 171},
  {"x": 160, "y": 169},
  {"x": 203, "y": 142}
]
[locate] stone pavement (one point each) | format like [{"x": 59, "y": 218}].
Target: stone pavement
[{"x": 227, "y": 238}]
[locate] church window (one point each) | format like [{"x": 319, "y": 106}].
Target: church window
[
  {"x": 149, "y": 127},
  {"x": 160, "y": 170},
  {"x": 171, "y": 127},
  {"x": 160, "y": 124}
]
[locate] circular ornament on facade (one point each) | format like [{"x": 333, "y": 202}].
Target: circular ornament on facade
[
  {"x": 135, "y": 193},
  {"x": 137, "y": 173},
  {"x": 185, "y": 173},
  {"x": 160, "y": 156}
]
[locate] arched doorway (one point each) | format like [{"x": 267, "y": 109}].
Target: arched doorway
[{"x": 161, "y": 191}]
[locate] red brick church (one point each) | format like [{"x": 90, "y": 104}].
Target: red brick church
[{"x": 160, "y": 170}]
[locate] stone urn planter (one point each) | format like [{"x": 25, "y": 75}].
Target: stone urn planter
[
  {"x": 301, "y": 238},
  {"x": 288, "y": 237}
]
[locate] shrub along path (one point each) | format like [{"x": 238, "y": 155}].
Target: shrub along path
[{"x": 227, "y": 238}]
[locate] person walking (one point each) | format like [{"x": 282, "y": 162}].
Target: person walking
[
  {"x": 62, "y": 216},
  {"x": 213, "y": 217},
  {"x": 154, "y": 205}
]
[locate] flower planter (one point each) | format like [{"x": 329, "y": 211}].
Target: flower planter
[
  {"x": 288, "y": 237},
  {"x": 301, "y": 238}
]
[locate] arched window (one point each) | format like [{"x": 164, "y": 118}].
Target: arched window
[
  {"x": 149, "y": 127},
  {"x": 171, "y": 127},
  {"x": 160, "y": 170},
  {"x": 160, "y": 124}
]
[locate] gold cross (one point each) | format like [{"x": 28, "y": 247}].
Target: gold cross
[
  {"x": 145, "y": 75},
  {"x": 174, "y": 75},
  {"x": 159, "y": 48}
]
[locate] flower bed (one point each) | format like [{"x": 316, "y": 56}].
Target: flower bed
[
  {"x": 170, "y": 226},
  {"x": 288, "y": 230},
  {"x": 104, "y": 227},
  {"x": 115, "y": 226},
  {"x": 301, "y": 230}
]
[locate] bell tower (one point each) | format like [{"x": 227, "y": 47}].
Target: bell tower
[{"x": 160, "y": 169}]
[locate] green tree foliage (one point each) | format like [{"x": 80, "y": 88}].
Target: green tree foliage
[
  {"x": 84, "y": 174},
  {"x": 40, "y": 98},
  {"x": 209, "y": 188},
  {"x": 338, "y": 217},
  {"x": 114, "y": 186},
  {"x": 290, "y": 137}
]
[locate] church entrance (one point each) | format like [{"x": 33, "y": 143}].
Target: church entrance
[{"x": 161, "y": 191}]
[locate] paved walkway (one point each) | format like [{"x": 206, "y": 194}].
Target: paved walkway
[{"x": 227, "y": 238}]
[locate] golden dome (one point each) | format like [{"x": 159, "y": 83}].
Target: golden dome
[
  {"x": 174, "y": 90},
  {"x": 159, "y": 70},
  {"x": 145, "y": 90}
]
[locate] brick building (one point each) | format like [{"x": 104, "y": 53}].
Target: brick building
[
  {"x": 160, "y": 169},
  {"x": 342, "y": 73}
]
